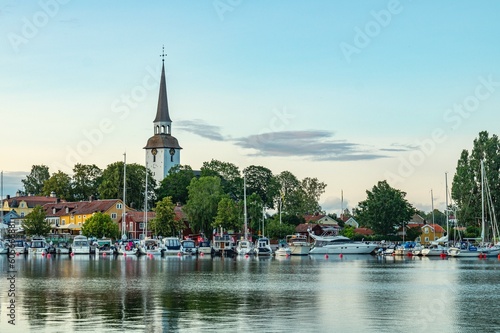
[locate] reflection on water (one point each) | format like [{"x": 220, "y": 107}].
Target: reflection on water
[{"x": 305, "y": 294}]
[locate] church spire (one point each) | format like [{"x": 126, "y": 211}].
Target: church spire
[{"x": 162, "y": 116}]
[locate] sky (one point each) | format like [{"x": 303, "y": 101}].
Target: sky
[{"x": 349, "y": 92}]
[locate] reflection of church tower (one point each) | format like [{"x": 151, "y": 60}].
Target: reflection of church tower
[{"x": 162, "y": 149}]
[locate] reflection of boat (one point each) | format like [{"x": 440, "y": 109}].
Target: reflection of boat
[
  {"x": 244, "y": 247},
  {"x": 171, "y": 246},
  {"x": 188, "y": 247},
  {"x": 327, "y": 244},
  {"x": 263, "y": 247},
  {"x": 38, "y": 245},
  {"x": 80, "y": 245},
  {"x": 298, "y": 244}
]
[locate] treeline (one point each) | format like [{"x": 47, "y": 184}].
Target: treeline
[{"x": 212, "y": 198}]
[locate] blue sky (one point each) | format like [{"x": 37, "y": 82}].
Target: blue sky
[{"x": 350, "y": 92}]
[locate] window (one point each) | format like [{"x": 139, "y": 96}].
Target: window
[
  {"x": 436, "y": 238},
  {"x": 22, "y": 214},
  {"x": 79, "y": 217},
  {"x": 63, "y": 222},
  {"x": 118, "y": 206},
  {"x": 113, "y": 215},
  {"x": 84, "y": 217},
  {"x": 426, "y": 230},
  {"x": 141, "y": 225},
  {"x": 426, "y": 239},
  {"x": 131, "y": 226},
  {"x": 79, "y": 223},
  {"x": 418, "y": 239}
]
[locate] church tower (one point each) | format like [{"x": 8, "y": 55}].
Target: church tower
[{"x": 162, "y": 150}]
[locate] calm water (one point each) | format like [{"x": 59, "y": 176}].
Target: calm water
[{"x": 353, "y": 294}]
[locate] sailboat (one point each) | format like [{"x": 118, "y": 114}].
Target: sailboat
[
  {"x": 125, "y": 248},
  {"x": 244, "y": 246},
  {"x": 467, "y": 249}
]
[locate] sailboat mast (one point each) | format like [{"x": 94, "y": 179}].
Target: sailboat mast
[
  {"x": 446, "y": 208},
  {"x": 482, "y": 203},
  {"x": 1, "y": 197},
  {"x": 124, "y": 192},
  {"x": 145, "y": 230},
  {"x": 432, "y": 206},
  {"x": 245, "y": 205}
]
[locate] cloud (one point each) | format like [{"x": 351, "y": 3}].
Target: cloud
[
  {"x": 396, "y": 147},
  {"x": 201, "y": 128},
  {"x": 315, "y": 144},
  {"x": 12, "y": 181}
]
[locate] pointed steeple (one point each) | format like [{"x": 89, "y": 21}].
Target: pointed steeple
[{"x": 162, "y": 110}]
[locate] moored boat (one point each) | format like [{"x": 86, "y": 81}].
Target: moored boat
[
  {"x": 329, "y": 244},
  {"x": 80, "y": 245},
  {"x": 283, "y": 251},
  {"x": 298, "y": 244},
  {"x": 171, "y": 246},
  {"x": 38, "y": 245},
  {"x": 150, "y": 246},
  {"x": 223, "y": 245},
  {"x": 263, "y": 247},
  {"x": 188, "y": 247},
  {"x": 245, "y": 247}
]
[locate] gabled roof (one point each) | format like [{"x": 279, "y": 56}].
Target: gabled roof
[
  {"x": 435, "y": 227},
  {"x": 31, "y": 200},
  {"x": 80, "y": 207}
]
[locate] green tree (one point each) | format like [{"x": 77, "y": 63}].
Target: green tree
[
  {"x": 202, "y": 205},
  {"x": 229, "y": 174},
  {"x": 100, "y": 225},
  {"x": 276, "y": 230},
  {"x": 412, "y": 233},
  {"x": 384, "y": 209},
  {"x": 348, "y": 232},
  {"x": 254, "y": 211},
  {"x": 165, "y": 224},
  {"x": 467, "y": 185},
  {"x": 33, "y": 183},
  {"x": 294, "y": 220},
  {"x": 111, "y": 186},
  {"x": 60, "y": 184},
  {"x": 261, "y": 181},
  {"x": 176, "y": 183},
  {"x": 312, "y": 189},
  {"x": 86, "y": 181},
  {"x": 291, "y": 194},
  {"x": 229, "y": 215},
  {"x": 35, "y": 224}
]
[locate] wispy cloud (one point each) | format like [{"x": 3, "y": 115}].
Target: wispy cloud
[
  {"x": 396, "y": 147},
  {"x": 315, "y": 144},
  {"x": 201, "y": 128}
]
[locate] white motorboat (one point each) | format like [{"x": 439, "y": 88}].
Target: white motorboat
[
  {"x": 80, "y": 245},
  {"x": 188, "y": 247},
  {"x": 298, "y": 245},
  {"x": 20, "y": 246},
  {"x": 434, "y": 250},
  {"x": 328, "y": 244},
  {"x": 171, "y": 246},
  {"x": 128, "y": 248},
  {"x": 223, "y": 245},
  {"x": 283, "y": 251},
  {"x": 63, "y": 248},
  {"x": 263, "y": 247},
  {"x": 104, "y": 246},
  {"x": 245, "y": 247},
  {"x": 150, "y": 247},
  {"x": 204, "y": 247},
  {"x": 38, "y": 245}
]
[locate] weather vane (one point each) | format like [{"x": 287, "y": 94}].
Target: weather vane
[{"x": 163, "y": 55}]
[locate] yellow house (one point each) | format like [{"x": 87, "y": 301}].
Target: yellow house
[
  {"x": 23, "y": 205},
  {"x": 70, "y": 216},
  {"x": 430, "y": 233}
]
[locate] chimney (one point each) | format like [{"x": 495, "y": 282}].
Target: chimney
[
  {"x": 8, "y": 197},
  {"x": 52, "y": 194},
  {"x": 53, "y": 210},
  {"x": 91, "y": 198},
  {"x": 18, "y": 193}
]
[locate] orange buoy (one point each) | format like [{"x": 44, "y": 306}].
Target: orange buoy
[
  {"x": 179, "y": 254},
  {"x": 48, "y": 255},
  {"x": 341, "y": 256},
  {"x": 104, "y": 254},
  {"x": 326, "y": 256},
  {"x": 442, "y": 255},
  {"x": 499, "y": 257},
  {"x": 202, "y": 254},
  {"x": 72, "y": 254}
]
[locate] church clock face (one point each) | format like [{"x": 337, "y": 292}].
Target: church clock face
[
  {"x": 172, "y": 151},
  {"x": 154, "y": 151}
]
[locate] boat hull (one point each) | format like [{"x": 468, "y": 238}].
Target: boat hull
[{"x": 344, "y": 249}]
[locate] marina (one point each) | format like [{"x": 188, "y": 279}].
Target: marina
[{"x": 189, "y": 294}]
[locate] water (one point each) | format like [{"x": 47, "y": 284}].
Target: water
[{"x": 303, "y": 294}]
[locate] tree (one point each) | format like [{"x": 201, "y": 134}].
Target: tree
[
  {"x": 412, "y": 233},
  {"x": 229, "y": 174},
  {"x": 294, "y": 220},
  {"x": 254, "y": 211},
  {"x": 100, "y": 225},
  {"x": 260, "y": 180},
  {"x": 164, "y": 223},
  {"x": 290, "y": 194},
  {"x": 60, "y": 184},
  {"x": 313, "y": 189},
  {"x": 229, "y": 215},
  {"x": 86, "y": 181},
  {"x": 467, "y": 187},
  {"x": 277, "y": 230},
  {"x": 34, "y": 181},
  {"x": 35, "y": 224},
  {"x": 385, "y": 209},
  {"x": 176, "y": 183},
  {"x": 201, "y": 207},
  {"x": 111, "y": 186}
]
